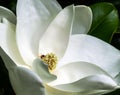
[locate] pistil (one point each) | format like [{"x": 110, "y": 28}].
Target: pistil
[{"x": 50, "y": 59}]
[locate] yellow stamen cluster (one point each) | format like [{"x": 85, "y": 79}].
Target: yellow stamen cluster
[{"x": 50, "y": 59}]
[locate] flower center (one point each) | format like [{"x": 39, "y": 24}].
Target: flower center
[{"x": 50, "y": 59}]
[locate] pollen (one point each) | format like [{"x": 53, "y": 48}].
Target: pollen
[{"x": 50, "y": 59}]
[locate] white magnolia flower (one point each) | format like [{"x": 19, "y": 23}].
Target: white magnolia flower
[{"x": 47, "y": 51}]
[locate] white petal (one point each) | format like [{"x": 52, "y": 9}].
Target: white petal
[
  {"x": 42, "y": 70},
  {"x": 90, "y": 49},
  {"x": 75, "y": 71},
  {"x": 6, "y": 13},
  {"x": 82, "y": 20},
  {"x": 7, "y": 60},
  {"x": 117, "y": 78},
  {"x": 8, "y": 41},
  {"x": 89, "y": 85},
  {"x": 56, "y": 37},
  {"x": 33, "y": 17},
  {"x": 23, "y": 80}
]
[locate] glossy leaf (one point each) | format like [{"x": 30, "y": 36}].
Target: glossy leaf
[{"x": 105, "y": 21}]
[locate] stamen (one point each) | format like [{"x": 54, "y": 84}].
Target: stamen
[{"x": 50, "y": 59}]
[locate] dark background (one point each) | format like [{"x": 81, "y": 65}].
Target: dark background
[{"x": 5, "y": 87}]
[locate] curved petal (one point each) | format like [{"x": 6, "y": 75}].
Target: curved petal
[
  {"x": 90, "y": 49},
  {"x": 7, "y": 60},
  {"x": 56, "y": 37},
  {"x": 25, "y": 82},
  {"x": 22, "y": 79},
  {"x": 117, "y": 78},
  {"x": 33, "y": 17},
  {"x": 95, "y": 84},
  {"x": 42, "y": 70},
  {"x": 6, "y": 13},
  {"x": 82, "y": 20},
  {"x": 75, "y": 71},
  {"x": 8, "y": 41}
]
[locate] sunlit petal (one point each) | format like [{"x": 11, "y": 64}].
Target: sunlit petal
[
  {"x": 94, "y": 82},
  {"x": 82, "y": 20},
  {"x": 8, "y": 41},
  {"x": 33, "y": 17},
  {"x": 90, "y": 49},
  {"x": 91, "y": 85},
  {"x": 56, "y": 37},
  {"x": 75, "y": 71}
]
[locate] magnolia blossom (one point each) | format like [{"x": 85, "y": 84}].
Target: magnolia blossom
[{"x": 47, "y": 51}]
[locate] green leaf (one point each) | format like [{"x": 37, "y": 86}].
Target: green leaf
[{"x": 105, "y": 21}]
